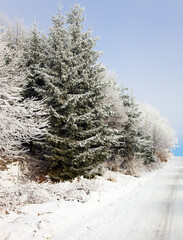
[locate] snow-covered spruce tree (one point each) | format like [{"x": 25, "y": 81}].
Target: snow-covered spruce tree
[
  {"x": 42, "y": 60},
  {"x": 77, "y": 113},
  {"x": 34, "y": 59},
  {"x": 146, "y": 146},
  {"x": 135, "y": 142},
  {"x": 35, "y": 64},
  {"x": 20, "y": 121}
]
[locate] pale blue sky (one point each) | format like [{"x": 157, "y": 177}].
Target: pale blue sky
[{"x": 142, "y": 41}]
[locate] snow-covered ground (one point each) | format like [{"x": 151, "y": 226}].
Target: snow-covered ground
[{"x": 145, "y": 208}]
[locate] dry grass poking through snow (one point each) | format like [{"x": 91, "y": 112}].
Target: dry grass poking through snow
[{"x": 15, "y": 192}]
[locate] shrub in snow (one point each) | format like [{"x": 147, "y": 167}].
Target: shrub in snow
[{"x": 15, "y": 193}]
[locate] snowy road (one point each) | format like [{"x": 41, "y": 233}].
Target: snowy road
[
  {"x": 146, "y": 208},
  {"x": 153, "y": 212}
]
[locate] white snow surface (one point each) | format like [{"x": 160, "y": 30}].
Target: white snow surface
[{"x": 149, "y": 207}]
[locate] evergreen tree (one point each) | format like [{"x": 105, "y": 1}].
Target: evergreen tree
[
  {"x": 147, "y": 152},
  {"x": 77, "y": 115},
  {"x": 135, "y": 142},
  {"x": 34, "y": 64},
  {"x": 131, "y": 134},
  {"x": 35, "y": 59}
]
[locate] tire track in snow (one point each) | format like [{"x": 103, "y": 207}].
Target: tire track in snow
[
  {"x": 153, "y": 212},
  {"x": 167, "y": 213}
]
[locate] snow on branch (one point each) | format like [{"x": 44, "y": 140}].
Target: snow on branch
[
  {"x": 20, "y": 120},
  {"x": 162, "y": 135}
]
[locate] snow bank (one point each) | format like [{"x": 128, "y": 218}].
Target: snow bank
[
  {"x": 15, "y": 193},
  {"x": 56, "y": 211}
]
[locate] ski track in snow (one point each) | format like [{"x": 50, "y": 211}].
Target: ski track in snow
[{"x": 146, "y": 208}]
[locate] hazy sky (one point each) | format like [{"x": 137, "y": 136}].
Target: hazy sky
[{"x": 142, "y": 41}]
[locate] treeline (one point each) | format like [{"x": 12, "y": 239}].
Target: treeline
[{"x": 61, "y": 106}]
